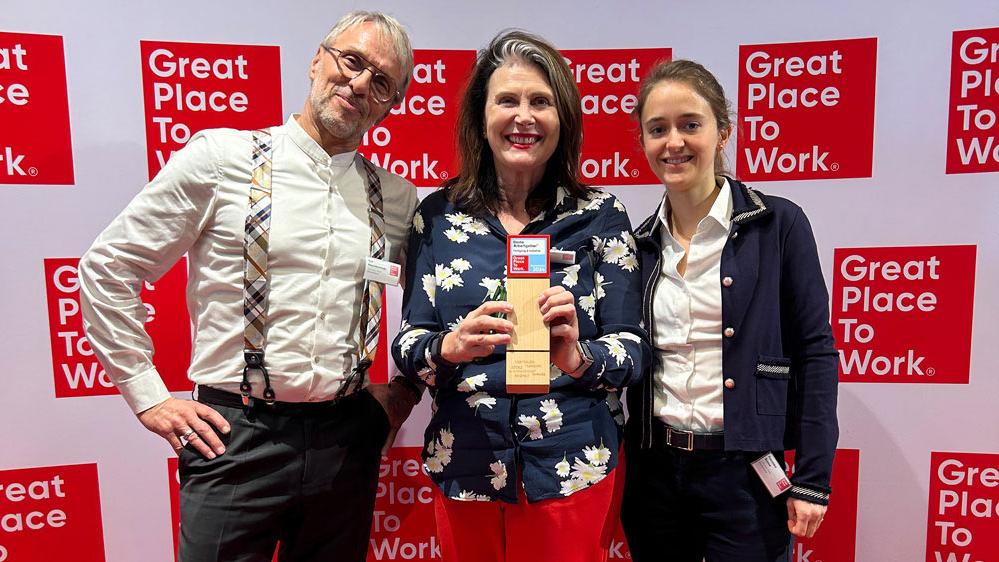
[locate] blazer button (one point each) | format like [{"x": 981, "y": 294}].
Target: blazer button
[
  {"x": 727, "y": 281},
  {"x": 730, "y": 383},
  {"x": 729, "y": 332},
  {"x": 734, "y": 235}
]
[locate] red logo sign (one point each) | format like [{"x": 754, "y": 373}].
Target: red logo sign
[
  {"x": 403, "y": 527},
  {"x": 35, "y": 144},
  {"x": 793, "y": 101},
  {"x": 836, "y": 539},
  {"x": 608, "y": 82},
  {"x": 416, "y": 140},
  {"x": 904, "y": 314},
  {"x": 963, "y": 507},
  {"x": 76, "y": 369},
  {"x": 378, "y": 373},
  {"x": 51, "y": 513},
  {"x": 173, "y": 474},
  {"x": 972, "y": 145},
  {"x": 188, "y": 87}
]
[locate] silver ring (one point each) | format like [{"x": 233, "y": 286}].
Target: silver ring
[{"x": 187, "y": 436}]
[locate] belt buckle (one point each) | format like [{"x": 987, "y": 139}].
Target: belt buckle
[{"x": 688, "y": 434}]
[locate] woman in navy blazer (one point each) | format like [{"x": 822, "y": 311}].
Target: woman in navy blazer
[{"x": 744, "y": 363}]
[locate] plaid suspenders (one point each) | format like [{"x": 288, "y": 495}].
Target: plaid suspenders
[{"x": 256, "y": 280}]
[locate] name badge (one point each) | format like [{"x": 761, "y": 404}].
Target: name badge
[
  {"x": 381, "y": 271},
  {"x": 527, "y": 255},
  {"x": 771, "y": 474},
  {"x": 562, "y": 256}
]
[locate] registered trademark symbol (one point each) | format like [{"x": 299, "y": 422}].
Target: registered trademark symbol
[
  {"x": 634, "y": 173},
  {"x": 930, "y": 372},
  {"x": 835, "y": 166},
  {"x": 32, "y": 171},
  {"x": 443, "y": 175}
]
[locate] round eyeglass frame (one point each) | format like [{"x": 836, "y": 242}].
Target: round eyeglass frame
[{"x": 337, "y": 55}]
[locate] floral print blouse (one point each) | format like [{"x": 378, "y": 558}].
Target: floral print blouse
[{"x": 481, "y": 439}]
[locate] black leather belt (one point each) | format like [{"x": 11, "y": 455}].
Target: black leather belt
[
  {"x": 687, "y": 440},
  {"x": 218, "y": 397}
]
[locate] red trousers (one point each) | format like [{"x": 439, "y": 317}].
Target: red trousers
[{"x": 578, "y": 528}]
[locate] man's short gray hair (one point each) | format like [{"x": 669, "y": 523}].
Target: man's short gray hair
[{"x": 390, "y": 27}]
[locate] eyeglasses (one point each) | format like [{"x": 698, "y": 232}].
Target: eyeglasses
[{"x": 351, "y": 65}]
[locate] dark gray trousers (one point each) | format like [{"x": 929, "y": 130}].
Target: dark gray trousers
[{"x": 304, "y": 480}]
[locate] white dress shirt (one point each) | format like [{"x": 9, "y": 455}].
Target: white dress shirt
[
  {"x": 688, "y": 323},
  {"x": 319, "y": 240}
]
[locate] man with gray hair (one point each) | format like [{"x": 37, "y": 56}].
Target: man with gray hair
[{"x": 291, "y": 236}]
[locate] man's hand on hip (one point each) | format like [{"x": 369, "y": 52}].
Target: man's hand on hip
[
  {"x": 184, "y": 421},
  {"x": 397, "y": 401}
]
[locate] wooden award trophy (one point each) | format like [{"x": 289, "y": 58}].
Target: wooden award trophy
[{"x": 528, "y": 356}]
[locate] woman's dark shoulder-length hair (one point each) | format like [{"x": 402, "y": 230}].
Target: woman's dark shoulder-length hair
[{"x": 476, "y": 188}]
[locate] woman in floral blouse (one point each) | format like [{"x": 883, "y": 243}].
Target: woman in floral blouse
[{"x": 522, "y": 477}]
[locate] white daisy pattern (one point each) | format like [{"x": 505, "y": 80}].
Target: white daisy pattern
[
  {"x": 447, "y": 278},
  {"x": 617, "y": 351},
  {"x": 572, "y": 486},
  {"x": 598, "y": 285},
  {"x": 408, "y": 338},
  {"x": 447, "y": 438},
  {"x": 533, "y": 426},
  {"x": 588, "y": 472},
  {"x": 480, "y": 399},
  {"x": 471, "y": 384},
  {"x": 459, "y": 257},
  {"x": 458, "y": 219},
  {"x": 430, "y": 288},
  {"x": 439, "y": 452},
  {"x": 552, "y": 415},
  {"x": 498, "y": 479},
  {"x": 629, "y": 262},
  {"x": 614, "y": 250},
  {"x": 455, "y": 235},
  {"x": 589, "y": 305},
  {"x": 475, "y": 227},
  {"x": 562, "y": 468},
  {"x": 467, "y": 496},
  {"x": 460, "y": 265},
  {"x": 491, "y": 285},
  {"x": 597, "y": 455},
  {"x": 597, "y": 199},
  {"x": 454, "y": 325},
  {"x": 571, "y": 275}
]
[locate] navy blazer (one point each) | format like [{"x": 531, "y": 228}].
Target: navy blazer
[{"x": 778, "y": 345}]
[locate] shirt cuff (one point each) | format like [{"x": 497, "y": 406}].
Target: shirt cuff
[
  {"x": 144, "y": 391},
  {"x": 809, "y": 495}
]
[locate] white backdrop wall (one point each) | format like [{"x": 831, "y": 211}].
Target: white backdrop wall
[{"x": 907, "y": 205}]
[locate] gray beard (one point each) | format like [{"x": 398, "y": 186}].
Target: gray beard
[{"x": 330, "y": 121}]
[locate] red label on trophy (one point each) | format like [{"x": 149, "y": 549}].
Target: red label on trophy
[{"x": 527, "y": 255}]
